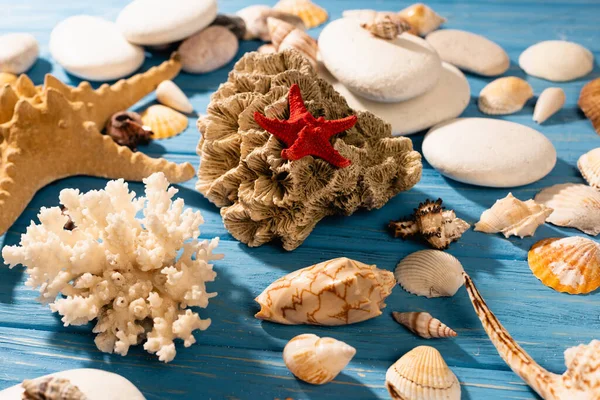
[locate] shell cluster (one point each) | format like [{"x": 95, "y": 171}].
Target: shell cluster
[
  {"x": 504, "y": 96},
  {"x": 255, "y": 18},
  {"x": 285, "y": 36},
  {"x": 51, "y": 388},
  {"x": 423, "y": 324}
]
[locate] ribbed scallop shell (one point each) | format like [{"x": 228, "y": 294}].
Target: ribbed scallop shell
[
  {"x": 422, "y": 18},
  {"x": 589, "y": 102},
  {"x": 311, "y": 14},
  {"x": 512, "y": 216},
  {"x": 570, "y": 264},
  {"x": 422, "y": 374},
  {"x": 589, "y": 166},
  {"x": 423, "y": 324},
  {"x": 163, "y": 121},
  {"x": 316, "y": 360},
  {"x": 7, "y": 78},
  {"x": 169, "y": 94},
  {"x": 575, "y": 206},
  {"x": 51, "y": 388},
  {"x": 504, "y": 96},
  {"x": 286, "y": 36},
  {"x": 549, "y": 103},
  {"x": 430, "y": 273},
  {"x": 386, "y": 28}
]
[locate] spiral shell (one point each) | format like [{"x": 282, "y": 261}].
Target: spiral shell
[
  {"x": 423, "y": 324},
  {"x": 386, "y": 28},
  {"x": 589, "y": 102},
  {"x": 504, "y": 96},
  {"x": 51, "y": 388},
  {"x": 430, "y": 273},
  {"x": 549, "y": 103},
  {"x": 589, "y": 166},
  {"x": 163, "y": 121},
  {"x": 422, "y": 18},
  {"x": 311, "y": 14},
  {"x": 287, "y": 36}
]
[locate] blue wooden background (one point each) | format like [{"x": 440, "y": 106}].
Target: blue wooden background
[{"x": 239, "y": 357}]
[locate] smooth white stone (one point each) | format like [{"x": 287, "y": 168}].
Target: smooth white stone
[
  {"x": 469, "y": 52},
  {"x": 93, "y": 48},
  {"x": 380, "y": 70},
  {"x": 157, "y": 22},
  {"x": 549, "y": 103},
  {"x": 18, "y": 52},
  {"x": 447, "y": 100},
  {"x": 489, "y": 152},
  {"x": 557, "y": 60}
]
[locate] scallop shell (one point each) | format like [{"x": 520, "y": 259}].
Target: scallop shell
[
  {"x": 504, "y": 96},
  {"x": 255, "y": 17},
  {"x": 51, "y": 388},
  {"x": 570, "y": 264},
  {"x": 512, "y": 216},
  {"x": 267, "y": 48},
  {"x": 422, "y": 18},
  {"x": 386, "y": 28},
  {"x": 422, "y": 374},
  {"x": 316, "y": 360},
  {"x": 575, "y": 206},
  {"x": 163, "y": 121},
  {"x": 335, "y": 292},
  {"x": 7, "y": 78},
  {"x": 589, "y": 102},
  {"x": 208, "y": 50},
  {"x": 549, "y": 102},
  {"x": 430, "y": 273},
  {"x": 589, "y": 166},
  {"x": 423, "y": 324},
  {"x": 286, "y": 36},
  {"x": 311, "y": 14},
  {"x": 169, "y": 94}
]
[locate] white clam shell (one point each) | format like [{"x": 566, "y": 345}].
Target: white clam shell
[
  {"x": 589, "y": 166},
  {"x": 505, "y": 95},
  {"x": 18, "y": 52},
  {"x": 422, "y": 18},
  {"x": 549, "y": 102},
  {"x": 316, "y": 360},
  {"x": 169, "y": 94},
  {"x": 208, "y": 50},
  {"x": 430, "y": 273},
  {"x": 423, "y": 324}
]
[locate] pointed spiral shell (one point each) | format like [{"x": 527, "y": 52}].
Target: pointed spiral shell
[{"x": 423, "y": 324}]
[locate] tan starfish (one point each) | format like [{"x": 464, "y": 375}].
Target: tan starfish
[{"x": 53, "y": 132}]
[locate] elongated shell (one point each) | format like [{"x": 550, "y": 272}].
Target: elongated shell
[
  {"x": 163, "y": 121},
  {"x": 589, "y": 166},
  {"x": 422, "y": 374},
  {"x": 423, "y": 324},
  {"x": 311, "y": 14},
  {"x": 512, "y": 216},
  {"x": 570, "y": 264},
  {"x": 169, "y": 94},
  {"x": 370, "y": 17},
  {"x": 286, "y": 36},
  {"x": 422, "y": 18},
  {"x": 51, "y": 388},
  {"x": 589, "y": 102},
  {"x": 335, "y": 292},
  {"x": 430, "y": 273},
  {"x": 504, "y": 96},
  {"x": 316, "y": 360},
  {"x": 386, "y": 28},
  {"x": 549, "y": 103},
  {"x": 575, "y": 206}
]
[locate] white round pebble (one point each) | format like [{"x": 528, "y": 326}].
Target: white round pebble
[
  {"x": 208, "y": 50},
  {"x": 489, "y": 152},
  {"x": 557, "y": 60},
  {"x": 18, "y": 52}
]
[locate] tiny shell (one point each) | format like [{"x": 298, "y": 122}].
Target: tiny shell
[
  {"x": 422, "y": 374},
  {"x": 512, "y": 216},
  {"x": 234, "y": 23},
  {"x": 386, "y": 28},
  {"x": 287, "y": 36},
  {"x": 589, "y": 102},
  {"x": 208, "y": 50},
  {"x": 575, "y": 206},
  {"x": 163, "y": 121},
  {"x": 366, "y": 16},
  {"x": 423, "y": 324},
  {"x": 570, "y": 264},
  {"x": 256, "y": 16},
  {"x": 267, "y": 48},
  {"x": 430, "y": 273},
  {"x": 311, "y": 14},
  {"x": 51, "y": 388},
  {"x": 18, "y": 52},
  {"x": 589, "y": 166},
  {"x": 169, "y": 94},
  {"x": 316, "y": 360},
  {"x": 549, "y": 103},
  {"x": 422, "y": 18},
  {"x": 7, "y": 78},
  {"x": 504, "y": 96}
]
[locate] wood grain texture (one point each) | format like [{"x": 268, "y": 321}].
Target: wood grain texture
[{"x": 239, "y": 357}]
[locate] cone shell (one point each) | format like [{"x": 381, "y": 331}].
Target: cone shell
[
  {"x": 163, "y": 121},
  {"x": 7, "y": 78},
  {"x": 575, "y": 206},
  {"x": 430, "y": 273},
  {"x": 366, "y": 16},
  {"x": 169, "y": 94},
  {"x": 422, "y": 374},
  {"x": 51, "y": 388},
  {"x": 422, "y": 18},
  {"x": 316, "y": 360},
  {"x": 311, "y": 14},
  {"x": 570, "y": 264},
  {"x": 512, "y": 216},
  {"x": 286, "y": 36},
  {"x": 589, "y": 166},
  {"x": 589, "y": 102},
  {"x": 549, "y": 102},
  {"x": 386, "y": 28},
  {"x": 504, "y": 96},
  {"x": 423, "y": 324}
]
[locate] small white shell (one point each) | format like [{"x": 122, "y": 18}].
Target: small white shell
[
  {"x": 169, "y": 94},
  {"x": 316, "y": 360},
  {"x": 208, "y": 50},
  {"x": 422, "y": 18},
  {"x": 430, "y": 273},
  {"x": 18, "y": 52},
  {"x": 549, "y": 102},
  {"x": 589, "y": 166},
  {"x": 423, "y": 324},
  {"x": 504, "y": 96}
]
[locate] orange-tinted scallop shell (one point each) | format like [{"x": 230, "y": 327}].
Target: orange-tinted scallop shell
[{"x": 589, "y": 102}]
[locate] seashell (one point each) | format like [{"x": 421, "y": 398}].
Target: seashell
[
  {"x": 422, "y": 18},
  {"x": 504, "y": 96},
  {"x": 208, "y": 50},
  {"x": 335, "y": 292},
  {"x": 164, "y": 122},
  {"x": 575, "y": 206},
  {"x": 169, "y": 94},
  {"x": 372, "y": 17},
  {"x": 267, "y": 48},
  {"x": 386, "y": 28},
  {"x": 18, "y": 52},
  {"x": 311, "y": 14},
  {"x": 51, "y": 388},
  {"x": 256, "y": 16},
  {"x": 430, "y": 273},
  {"x": 285, "y": 36},
  {"x": 512, "y": 216},
  {"x": 589, "y": 166},
  {"x": 234, "y": 23},
  {"x": 7, "y": 78},
  {"x": 422, "y": 374},
  {"x": 423, "y": 324},
  {"x": 316, "y": 360},
  {"x": 549, "y": 103},
  {"x": 570, "y": 264},
  {"x": 589, "y": 102}
]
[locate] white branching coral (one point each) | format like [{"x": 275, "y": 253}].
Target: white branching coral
[{"x": 122, "y": 270}]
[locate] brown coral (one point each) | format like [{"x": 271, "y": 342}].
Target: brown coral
[{"x": 264, "y": 197}]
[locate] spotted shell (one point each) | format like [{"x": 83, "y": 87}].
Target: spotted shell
[
  {"x": 311, "y": 14},
  {"x": 422, "y": 18},
  {"x": 589, "y": 102},
  {"x": 549, "y": 103},
  {"x": 423, "y": 324},
  {"x": 51, "y": 388},
  {"x": 286, "y": 36},
  {"x": 589, "y": 166},
  {"x": 504, "y": 96},
  {"x": 163, "y": 121}
]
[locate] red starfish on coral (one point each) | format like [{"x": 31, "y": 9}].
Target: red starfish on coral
[{"x": 304, "y": 134}]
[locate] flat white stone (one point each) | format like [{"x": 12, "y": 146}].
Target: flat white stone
[
  {"x": 447, "y": 100},
  {"x": 93, "y": 48},
  {"x": 557, "y": 60},
  {"x": 489, "y": 152},
  {"x": 380, "y": 70},
  {"x": 157, "y": 22},
  {"x": 469, "y": 52},
  {"x": 18, "y": 52}
]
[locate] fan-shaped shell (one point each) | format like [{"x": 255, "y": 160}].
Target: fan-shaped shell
[
  {"x": 589, "y": 166},
  {"x": 589, "y": 102},
  {"x": 422, "y": 374},
  {"x": 287, "y": 36},
  {"x": 163, "y": 121},
  {"x": 570, "y": 264},
  {"x": 430, "y": 273},
  {"x": 311, "y": 14},
  {"x": 316, "y": 360},
  {"x": 549, "y": 102},
  {"x": 423, "y": 324},
  {"x": 575, "y": 206},
  {"x": 504, "y": 96},
  {"x": 422, "y": 18},
  {"x": 51, "y": 388},
  {"x": 169, "y": 94},
  {"x": 512, "y": 216}
]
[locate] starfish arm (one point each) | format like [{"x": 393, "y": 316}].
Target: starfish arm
[
  {"x": 311, "y": 145},
  {"x": 339, "y": 125},
  {"x": 282, "y": 130},
  {"x": 8, "y": 101},
  {"x": 297, "y": 107}
]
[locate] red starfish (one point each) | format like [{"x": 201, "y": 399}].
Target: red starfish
[{"x": 304, "y": 134}]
